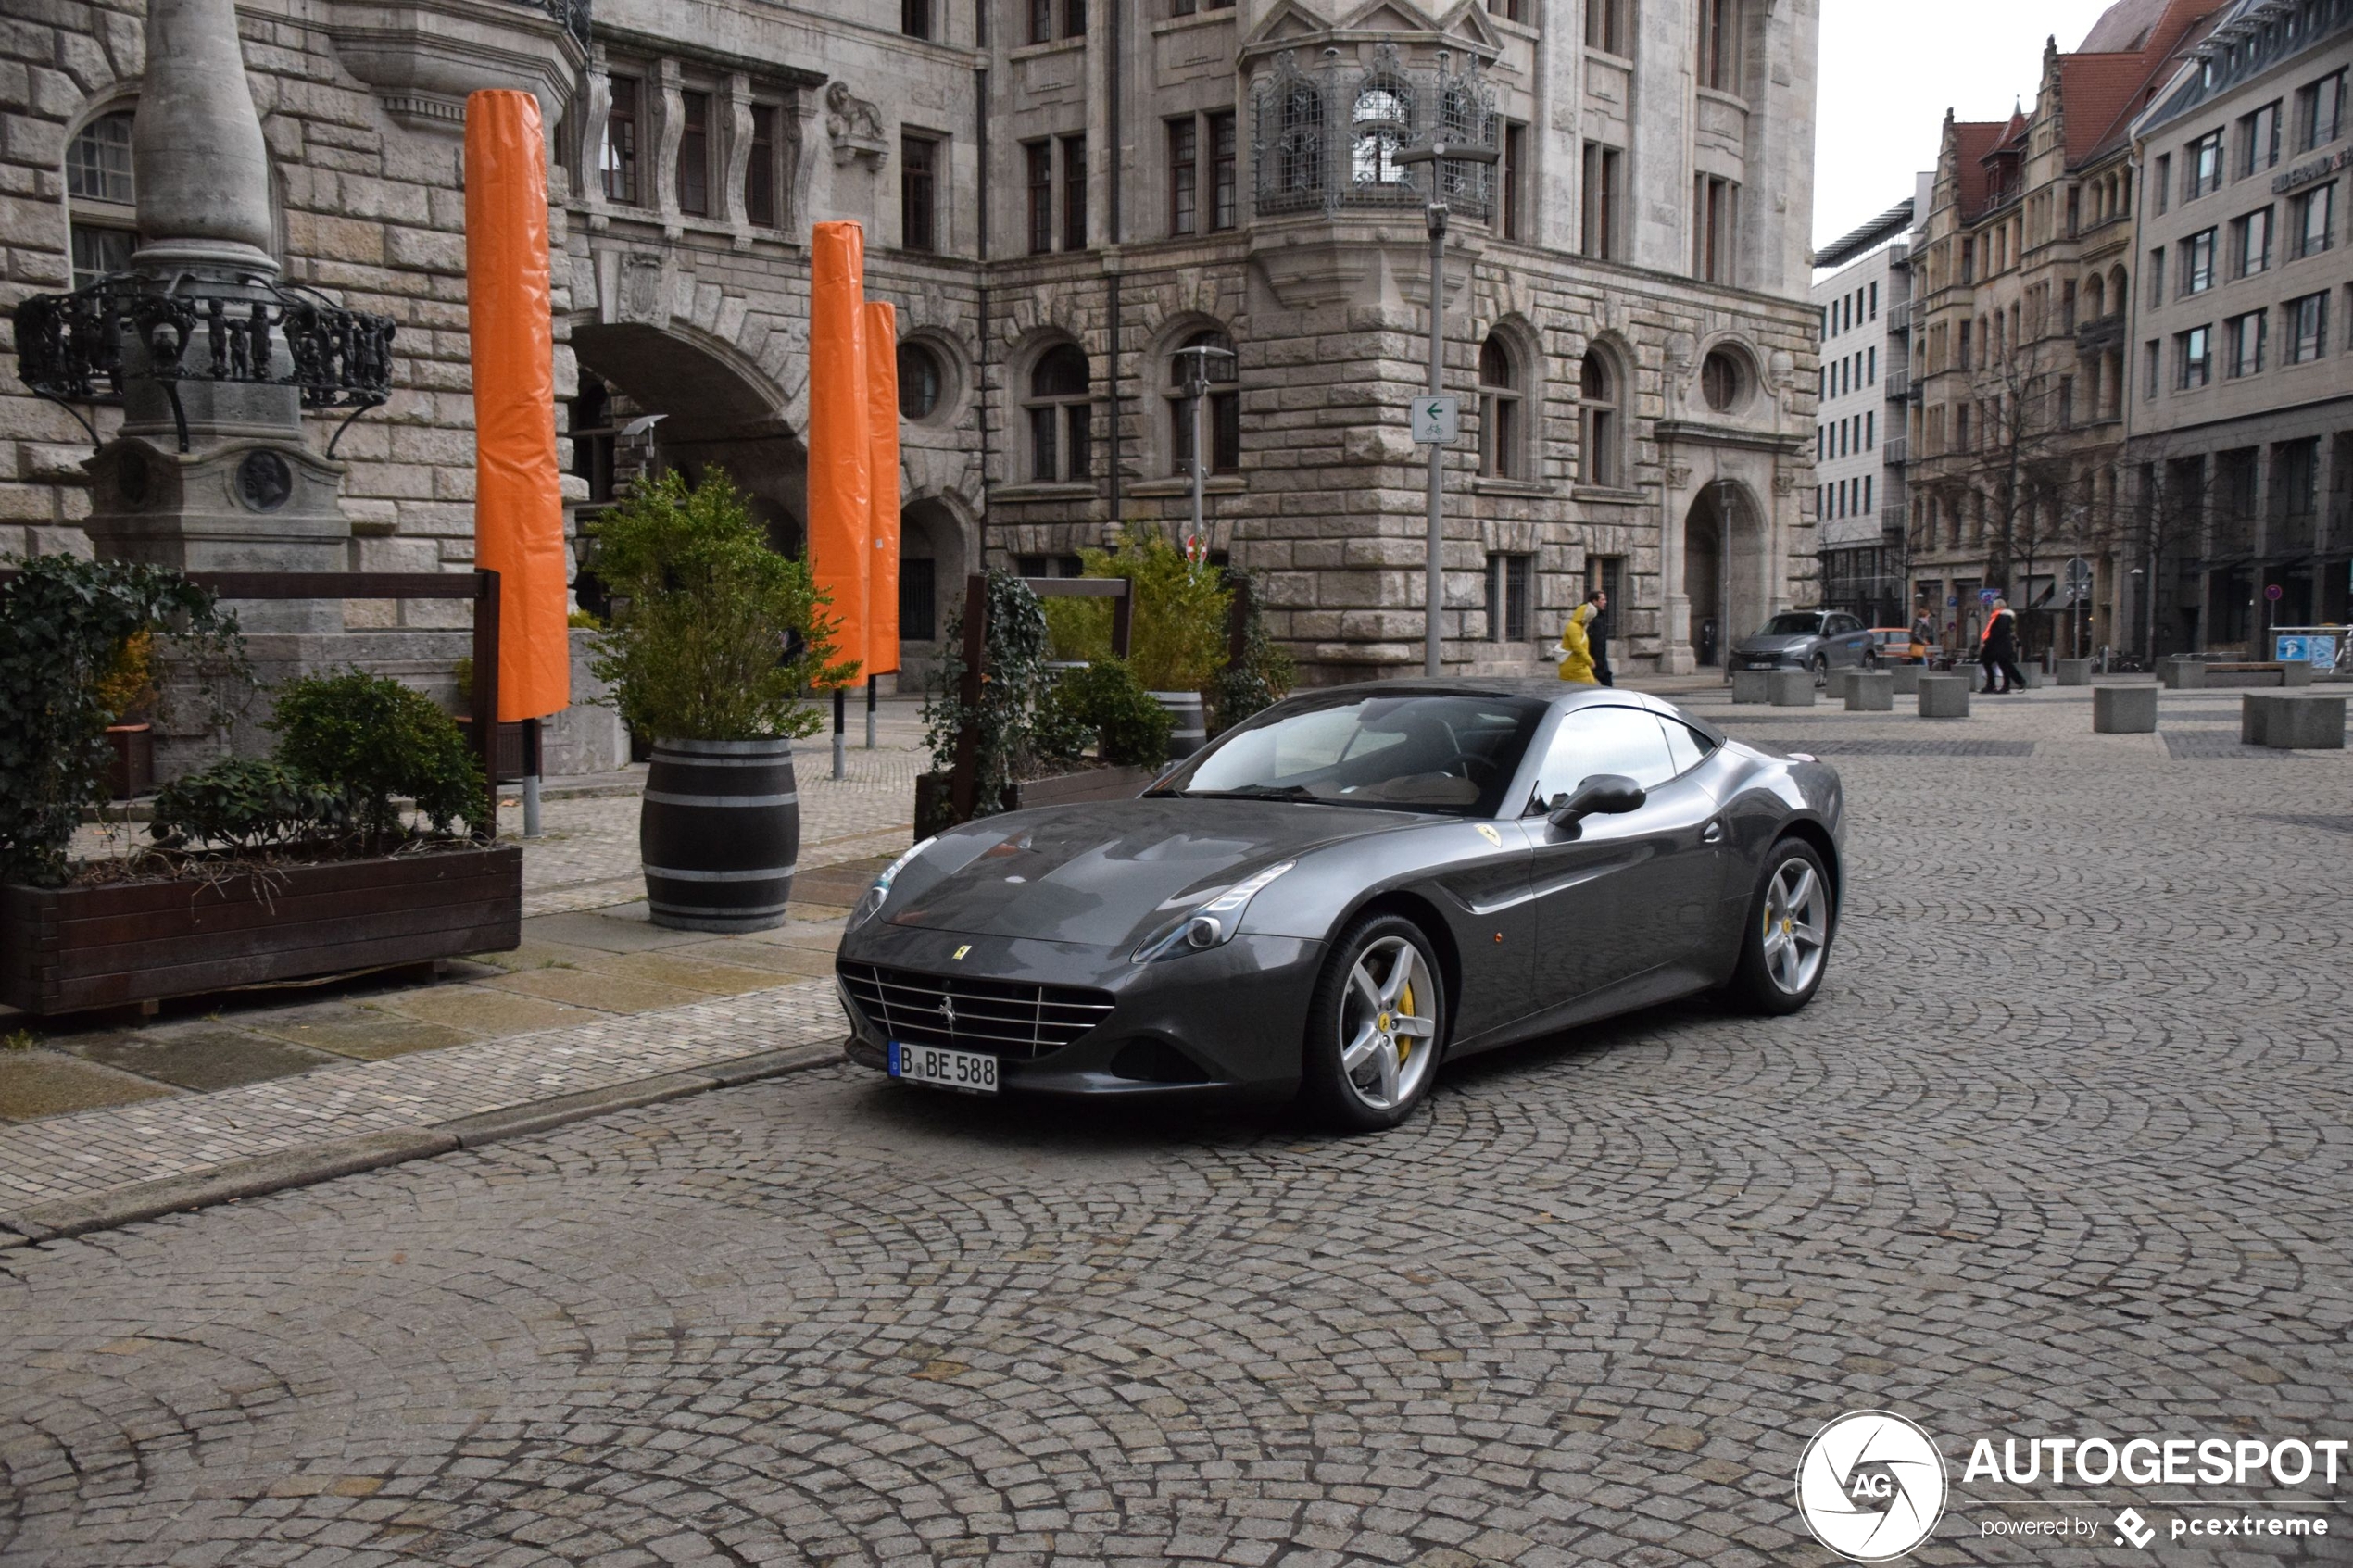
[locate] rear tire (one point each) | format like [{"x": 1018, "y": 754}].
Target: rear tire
[
  {"x": 1821, "y": 667},
  {"x": 1785, "y": 944},
  {"x": 1375, "y": 1027}
]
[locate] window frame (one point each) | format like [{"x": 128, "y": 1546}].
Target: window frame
[
  {"x": 1072, "y": 150},
  {"x": 1503, "y": 411},
  {"x": 1511, "y": 597},
  {"x": 760, "y": 168},
  {"x": 2205, "y": 163},
  {"x": 2198, "y": 262},
  {"x": 2244, "y": 262},
  {"x": 919, "y": 189},
  {"x": 2235, "y": 333},
  {"x": 1184, "y": 174},
  {"x": 2320, "y": 198},
  {"x": 1038, "y": 185},
  {"x": 102, "y": 226},
  {"x": 1601, "y": 421},
  {"x": 2194, "y": 359},
  {"x": 1603, "y": 192},
  {"x": 1060, "y": 421},
  {"x": 1222, "y": 418},
  {"x": 694, "y": 153},
  {"x": 2298, "y": 337},
  {"x": 622, "y": 160}
]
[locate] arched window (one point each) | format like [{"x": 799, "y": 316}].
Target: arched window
[
  {"x": 100, "y": 196},
  {"x": 1501, "y": 422},
  {"x": 1378, "y": 129},
  {"x": 1222, "y": 415},
  {"x": 2116, "y": 293},
  {"x": 1599, "y": 421},
  {"x": 1061, "y": 418},
  {"x": 2096, "y": 298}
]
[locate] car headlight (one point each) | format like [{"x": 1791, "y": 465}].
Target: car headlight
[
  {"x": 1211, "y": 924},
  {"x": 870, "y": 903}
]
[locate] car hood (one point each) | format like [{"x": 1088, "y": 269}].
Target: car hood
[
  {"x": 1113, "y": 872},
  {"x": 1777, "y": 643}
]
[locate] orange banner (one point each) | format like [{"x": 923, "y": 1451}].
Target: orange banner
[
  {"x": 840, "y": 454},
  {"x": 882, "y": 417},
  {"x": 519, "y": 505}
]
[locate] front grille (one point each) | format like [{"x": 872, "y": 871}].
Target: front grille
[{"x": 1008, "y": 1017}]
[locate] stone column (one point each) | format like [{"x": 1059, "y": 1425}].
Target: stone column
[{"x": 212, "y": 471}]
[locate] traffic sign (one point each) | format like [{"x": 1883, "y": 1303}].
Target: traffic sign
[
  {"x": 1986, "y": 597},
  {"x": 1438, "y": 420},
  {"x": 2078, "y": 581},
  {"x": 2273, "y": 592}
]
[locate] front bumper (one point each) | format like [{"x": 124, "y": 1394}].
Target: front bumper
[{"x": 1226, "y": 1024}]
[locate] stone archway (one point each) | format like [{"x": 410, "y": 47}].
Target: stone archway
[
  {"x": 1725, "y": 566},
  {"x": 716, "y": 413},
  {"x": 932, "y": 564}
]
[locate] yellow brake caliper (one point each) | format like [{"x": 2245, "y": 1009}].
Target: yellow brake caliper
[{"x": 1405, "y": 1009}]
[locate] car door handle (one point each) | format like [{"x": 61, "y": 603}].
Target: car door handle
[{"x": 1712, "y": 833}]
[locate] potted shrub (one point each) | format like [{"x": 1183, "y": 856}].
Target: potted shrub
[
  {"x": 714, "y": 639},
  {"x": 1180, "y": 633},
  {"x": 1038, "y": 739},
  {"x": 261, "y": 871}
]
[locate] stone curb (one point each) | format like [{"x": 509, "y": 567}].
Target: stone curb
[{"x": 312, "y": 1163}]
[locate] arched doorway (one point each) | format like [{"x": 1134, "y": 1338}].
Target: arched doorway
[
  {"x": 931, "y": 581},
  {"x": 1724, "y": 563},
  {"x": 715, "y": 412}
]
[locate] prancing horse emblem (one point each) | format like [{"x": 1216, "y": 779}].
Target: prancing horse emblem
[
  {"x": 948, "y": 1012},
  {"x": 962, "y": 951}
]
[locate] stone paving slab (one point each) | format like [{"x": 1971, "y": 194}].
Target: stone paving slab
[{"x": 85, "y": 1155}]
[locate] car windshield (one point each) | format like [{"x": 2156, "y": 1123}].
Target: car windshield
[
  {"x": 1455, "y": 753},
  {"x": 1791, "y": 626}
]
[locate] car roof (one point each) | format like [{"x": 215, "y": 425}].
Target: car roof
[{"x": 1563, "y": 695}]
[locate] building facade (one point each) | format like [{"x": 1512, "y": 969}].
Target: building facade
[
  {"x": 1860, "y": 430},
  {"x": 2023, "y": 272},
  {"x": 1059, "y": 195},
  {"x": 2242, "y": 411}
]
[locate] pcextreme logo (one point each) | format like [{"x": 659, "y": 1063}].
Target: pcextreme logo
[{"x": 1872, "y": 1486}]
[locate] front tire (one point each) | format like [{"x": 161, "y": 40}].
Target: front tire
[
  {"x": 1375, "y": 1027},
  {"x": 1786, "y": 945},
  {"x": 1821, "y": 667}
]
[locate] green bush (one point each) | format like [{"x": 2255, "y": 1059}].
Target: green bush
[
  {"x": 248, "y": 803},
  {"x": 369, "y": 738},
  {"x": 1261, "y": 678},
  {"x": 1178, "y": 637},
  {"x": 703, "y": 614},
  {"x": 1021, "y": 732},
  {"x": 65, "y": 625},
  {"x": 1105, "y": 699}
]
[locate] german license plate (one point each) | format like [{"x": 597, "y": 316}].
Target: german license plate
[{"x": 970, "y": 1071}]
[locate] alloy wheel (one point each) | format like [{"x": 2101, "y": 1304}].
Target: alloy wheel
[
  {"x": 1387, "y": 1023},
  {"x": 1797, "y": 925}
]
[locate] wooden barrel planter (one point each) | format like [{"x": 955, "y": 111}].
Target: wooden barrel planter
[
  {"x": 719, "y": 834},
  {"x": 1190, "y": 732}
]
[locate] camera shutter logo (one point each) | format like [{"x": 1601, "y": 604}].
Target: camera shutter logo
[{"x": 1872, "y": 1486}]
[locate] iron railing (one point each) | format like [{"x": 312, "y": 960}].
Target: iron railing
[{"x": 83, "y": 347}]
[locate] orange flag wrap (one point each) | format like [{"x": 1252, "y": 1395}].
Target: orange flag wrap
[
  {"x": 519, "y": 505},
  {"x": 840, "y": 454},
  {"x": 882, "y": 405}
]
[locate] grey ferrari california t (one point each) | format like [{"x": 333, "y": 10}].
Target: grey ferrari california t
[{"x": 1338, "y": 895}]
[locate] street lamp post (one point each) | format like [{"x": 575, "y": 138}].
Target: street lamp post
[
  {"x": 1197, "y": 391},
  {"x": 1435, "y": 153}
]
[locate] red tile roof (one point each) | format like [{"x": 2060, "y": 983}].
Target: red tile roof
[{"x": 2103, "y": 91}]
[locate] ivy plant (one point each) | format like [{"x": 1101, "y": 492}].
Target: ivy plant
[
  {"x": 1021, "y": 732},
  {"x": 65, "y": 625},
  {"x": 1263, "y": 674}
]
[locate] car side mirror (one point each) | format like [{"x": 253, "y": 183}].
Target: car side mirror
[{"x": 1603, "y": 794}]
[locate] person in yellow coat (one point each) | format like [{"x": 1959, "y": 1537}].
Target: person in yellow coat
[{"x": 1577, "y": 649}]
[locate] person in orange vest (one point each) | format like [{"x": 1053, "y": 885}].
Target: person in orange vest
[{"x": 1997, "y": 651}]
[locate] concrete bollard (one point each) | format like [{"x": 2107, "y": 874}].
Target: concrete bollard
[
  {"x": 1906, "y": 678},
  {"x": 2124, "y": 711},
  {"x": 2032, "y": 676},
  {"x": 1752, "y": 685},
  {"x": 1870, "y": 692},
  {"x": 1944, "y": 696},
  {"x": 2291, "y": 723},
  {"x": 2298, "y": 673},
  {"x": 1792, "y": 688},
  {"x": 2183, "y": 674},
  {"x": 2074, "y": 672}
]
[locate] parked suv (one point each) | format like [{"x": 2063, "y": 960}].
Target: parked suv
[{"x": 1819, "y": 640}]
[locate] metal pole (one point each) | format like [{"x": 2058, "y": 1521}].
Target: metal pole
[
  {"x": 1200, "y": 387},
  {"x": 530, "y": 778},
  {"x": 870, "y": 713},
  {"x": 841, "y": 704},
  {"x": 1434, "y": 569}
]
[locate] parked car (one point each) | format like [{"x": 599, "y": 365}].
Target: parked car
[
  {"x": 1345, "y": 891},
  {"x": 1819, "y": 640},
  {"x": 1895, "y": 645}
]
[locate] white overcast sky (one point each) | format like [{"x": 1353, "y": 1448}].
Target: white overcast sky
[{"x": 1890, "y": 70}]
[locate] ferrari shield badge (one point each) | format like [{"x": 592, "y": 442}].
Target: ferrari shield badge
[{"x": 1491, "y": 836}]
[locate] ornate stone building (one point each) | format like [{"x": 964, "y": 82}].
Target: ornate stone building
[
  {"x": 1059, "y": 195},
  {"x": 2022, "y": 279}
]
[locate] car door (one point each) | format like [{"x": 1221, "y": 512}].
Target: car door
[
  {"x": 1614, "y": 896},
  {"x": 1848, "y": 640}
]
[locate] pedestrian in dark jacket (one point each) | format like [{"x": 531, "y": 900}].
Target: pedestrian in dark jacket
[
  {"x": 1597, "y": 633},
  {"x": 1997, "y": 650}
]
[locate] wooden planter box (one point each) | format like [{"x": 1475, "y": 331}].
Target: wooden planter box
[
  {"x": 512, "y": 759},
  {"x": 63, "y": 950},
  {"x": 934, "y": 814}
]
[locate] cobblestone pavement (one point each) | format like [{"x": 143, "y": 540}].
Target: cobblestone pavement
[{"x": 2062, "y": 1149}]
